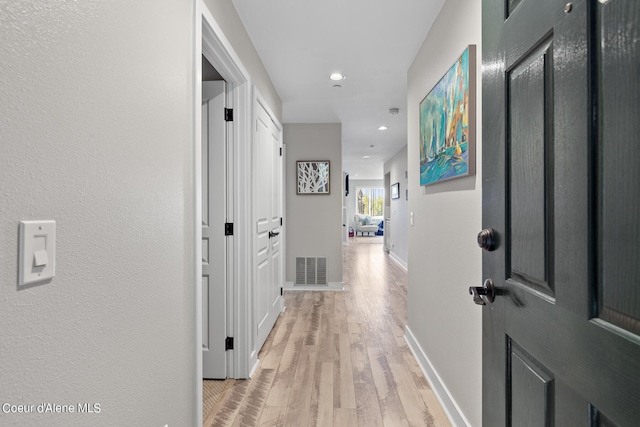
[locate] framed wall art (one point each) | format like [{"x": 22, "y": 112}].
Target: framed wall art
[
  {"x": 448, "y": 123},
  {"x": 313, "y": 177},
  {"x": 395, "y": 191}
]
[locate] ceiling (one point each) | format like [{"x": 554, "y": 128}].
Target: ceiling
[{"x": 371, "y": 42}]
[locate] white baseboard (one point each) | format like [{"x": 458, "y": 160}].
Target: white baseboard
[
  {"x": 399, "y": 260},
  {"x": 451, "y": 408},
  {"x": 254, "y": 368},
  {"x": 331, "y": 286}
]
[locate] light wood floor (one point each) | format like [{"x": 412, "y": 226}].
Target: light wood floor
[{"x": 339, "y": 358}]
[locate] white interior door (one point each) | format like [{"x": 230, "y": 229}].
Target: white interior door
[
  {"x": 214, "y": 283},
  {"x": 268, "y": 190}
]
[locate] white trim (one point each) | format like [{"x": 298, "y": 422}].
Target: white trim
[
  {"x": 211, "y": 42},
  {"x": 224, "y": 58},
  {"x": 197, "y": 195},
  {"x": 449, "y": 405},
  {"x": 399, "y": 260},
  {"x": 331, "y": 286},
  {"x": 254, "y": 368},
  {"x": 262, "y": 101},
  {"x": 217, "y": 49}
]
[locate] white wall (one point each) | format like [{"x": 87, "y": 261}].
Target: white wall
[
  {"x": 227, "y": 18},
  {"x": 350, "y": 200},
  {"x": 398, "y": 244},
  {"x": 314, "y": 222},
  {"x": 444, "y": 259},
  {"x": 97, "y": 133}
]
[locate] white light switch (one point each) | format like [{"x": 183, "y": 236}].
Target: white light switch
[
  {"x": 40, "y": 258},
  {"x": 37, "y": 251}
]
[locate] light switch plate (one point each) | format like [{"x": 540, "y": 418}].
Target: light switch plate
[{"x": 36, "y": 251}]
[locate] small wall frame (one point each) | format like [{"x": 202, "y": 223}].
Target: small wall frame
[
  {"x": 395, "y": 191},
  {"x": 313, "y": 177}
]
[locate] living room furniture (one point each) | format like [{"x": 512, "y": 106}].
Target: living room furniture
[{"x": 364, "y": 224}]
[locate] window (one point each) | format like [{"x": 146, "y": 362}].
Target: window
[{"x": 370, "y": 201}]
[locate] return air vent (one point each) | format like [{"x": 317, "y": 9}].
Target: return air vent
[{"x": 311, "y": 271}]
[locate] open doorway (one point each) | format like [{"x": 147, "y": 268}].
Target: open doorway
[
  {"x": 215, "y": 48},
  {"x": 239, "y": 182},
  {"x": 214, "y": 216}
]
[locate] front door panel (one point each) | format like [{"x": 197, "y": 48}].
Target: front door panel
[
  {"x": 561, "y": 115},
  {"x": 618, "y": 172},
  {"x": 529, "y": 141}
]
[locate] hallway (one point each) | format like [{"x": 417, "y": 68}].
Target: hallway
[{"x": 339, "y": 358}]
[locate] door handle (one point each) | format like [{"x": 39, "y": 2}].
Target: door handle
[
  {"x": 273, "y": 234},
  {"x": 488, "y": 239},
  {"x": 485, "y": 294}
]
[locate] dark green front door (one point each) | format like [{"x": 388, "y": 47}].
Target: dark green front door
[{"x": 561, "y": 189}]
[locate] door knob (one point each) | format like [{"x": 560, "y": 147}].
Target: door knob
[
  {"x": 487, "y": 239},
  {"x": 273, "y": 234},
  {"x": 485, "y": 294}
]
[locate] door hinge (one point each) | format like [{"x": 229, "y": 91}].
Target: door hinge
[
  {"x": 280, "y": 221},
  {"x": 228, "y": 114},
  {"x": 281, "y": 291},
  {"x": 280, "y": 151},
  {"x": 228, "y": 229},
  {"x": 228, "y": 344}
]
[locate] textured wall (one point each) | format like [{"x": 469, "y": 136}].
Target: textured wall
[
  {"x": 444, "y": 259},
  {"x": 96, "y": 132},
  {"x": 314, "y": 222}
]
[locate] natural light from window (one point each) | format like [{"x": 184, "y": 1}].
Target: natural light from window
[{"x": 370, "y": 201}]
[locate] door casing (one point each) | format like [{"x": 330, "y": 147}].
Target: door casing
[{"x": 210, "y": 42}]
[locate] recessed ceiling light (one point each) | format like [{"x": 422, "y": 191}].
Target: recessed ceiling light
[
  {"x": 383, "y": 128},
  {"x": 336, "y": 77},
  {"x": 366, "y": 157}
]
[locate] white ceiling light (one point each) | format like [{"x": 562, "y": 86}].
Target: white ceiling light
[
  {"x": 383, "y": 127},
  {"x": 366, "y": 157},
  {"x": 336, "y": 77}
]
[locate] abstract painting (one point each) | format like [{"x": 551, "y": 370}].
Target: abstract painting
[
  {"x": 313, "y": 177},
  {"x": 447, "y": 124}
]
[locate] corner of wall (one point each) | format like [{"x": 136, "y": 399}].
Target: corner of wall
[{"x": 443, "y": 257}]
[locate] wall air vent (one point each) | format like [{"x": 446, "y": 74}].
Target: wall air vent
[{"x": 311, "y": 271}]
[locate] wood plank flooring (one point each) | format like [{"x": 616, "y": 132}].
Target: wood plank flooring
[{"x": 339, "y": 358}]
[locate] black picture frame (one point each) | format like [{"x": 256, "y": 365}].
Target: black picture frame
[{"x": 395, "y": 191}]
